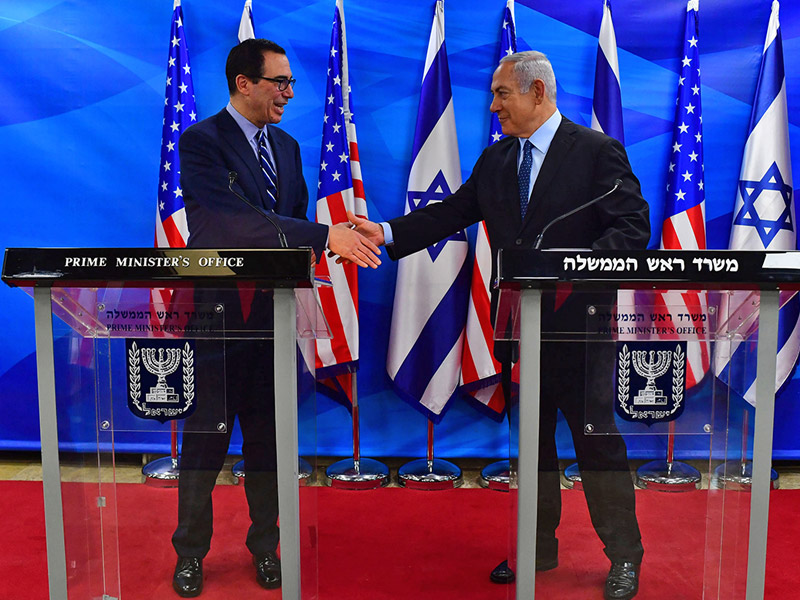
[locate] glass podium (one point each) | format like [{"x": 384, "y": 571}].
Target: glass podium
[
  {"x": 626, "y": 345},
  {"x": 130, "y": 340}
]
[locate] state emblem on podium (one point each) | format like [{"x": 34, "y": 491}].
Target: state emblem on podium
[
  {"x": 161, "y": 378},
  {"x": 651, "y": 381}
]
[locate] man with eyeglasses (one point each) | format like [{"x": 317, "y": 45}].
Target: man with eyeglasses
[{"x": 231, "y": 160}]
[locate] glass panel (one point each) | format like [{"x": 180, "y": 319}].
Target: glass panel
[
  {"x": 311, "y": 321},
  {"x": 506, "y": 319},
  {"x": 645, "y": 355},
  {"x": 731, "y": 456},
  {"x": 87, "y": 457},
  {"x": 641, "y": 389},
  {"x": 308, "y": 464},
  {"x": 184, "y": 361}
]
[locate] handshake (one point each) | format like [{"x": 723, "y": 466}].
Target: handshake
[{"x": 356, "y": 242}]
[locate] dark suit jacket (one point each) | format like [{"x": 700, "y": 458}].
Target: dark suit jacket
[
  {"x": 209, "y": 150},
  {"x": 212, "y": 148},
  {"x": 580, "y": 164}
]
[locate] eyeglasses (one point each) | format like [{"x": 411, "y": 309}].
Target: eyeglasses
[{"x": 282, "y": 82}]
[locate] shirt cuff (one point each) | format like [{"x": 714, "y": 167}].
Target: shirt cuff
[{"x": 388, "y": 237}]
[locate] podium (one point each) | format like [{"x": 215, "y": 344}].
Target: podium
[
  {"x": 612, "y": 301},
  {"x": 127, "y": 339}
]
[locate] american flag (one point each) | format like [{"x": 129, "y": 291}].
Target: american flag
[
  {"x": 339, "y": 189},
  {"x": 684, "y": 210},
  {"x": 179, "y": 112},
  {"x": 479, "y": 369}
]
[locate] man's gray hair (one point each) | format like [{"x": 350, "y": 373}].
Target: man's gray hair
[{"x": 530, "y": 66}]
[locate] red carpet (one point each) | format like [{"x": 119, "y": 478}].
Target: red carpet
[{"x": 398, "y": 544}]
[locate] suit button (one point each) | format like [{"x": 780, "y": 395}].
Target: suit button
[{"x": 518, "y": 242}]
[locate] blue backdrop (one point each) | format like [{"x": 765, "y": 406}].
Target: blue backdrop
[{"x": 81, "y": 101}]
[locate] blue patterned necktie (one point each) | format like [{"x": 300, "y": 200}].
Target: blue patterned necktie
[
  {"x": 268, "y": 170},
  {"x": 524, "y": 177}
]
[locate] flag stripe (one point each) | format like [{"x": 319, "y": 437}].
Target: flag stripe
[
  {"x": 770, "y": 80},
  {"x": 607, "y": 101},
  {"x": 436, "y": 95},
  {"x": 435, "y": 341}
]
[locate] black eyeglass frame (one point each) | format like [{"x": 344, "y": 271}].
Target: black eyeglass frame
[{"x": 282, "y": 82}]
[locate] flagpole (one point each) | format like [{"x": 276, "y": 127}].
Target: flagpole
[
  {"x": 737, "y": 474},
  {"x": 430, "y": 473},
  {"x": 357, "y": 473},
  {"x": 669, "y": 475},
  {"x": 164, "y": 472}
]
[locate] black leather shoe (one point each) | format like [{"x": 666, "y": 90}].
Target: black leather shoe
[
  {"x": 188, "y": 578},
  {"x": 268, "y": 570},
  {"x": 502, "y": 573},
  {"x": 622, "y": 582}
]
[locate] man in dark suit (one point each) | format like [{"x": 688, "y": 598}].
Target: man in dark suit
[
  {"x": 239, "y": 148},
  {"x": 546, "y": 167}
]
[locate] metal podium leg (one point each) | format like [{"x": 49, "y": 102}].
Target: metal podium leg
[
  {"x": 530, "y": 346},
  {"x": 762, "y": 443},
  {"x": 51, "y": 471},
  {"x": 287, "y": 442}
]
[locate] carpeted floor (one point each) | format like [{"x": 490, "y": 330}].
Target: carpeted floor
[{"x": 394, "y": 544}]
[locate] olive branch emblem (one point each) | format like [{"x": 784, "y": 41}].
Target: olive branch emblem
[
  {"x": 188, "y": 375},
  {"x": 135, "y": 375}
]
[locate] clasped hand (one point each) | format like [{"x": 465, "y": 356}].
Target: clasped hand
[{"x": 356, "y": 242}]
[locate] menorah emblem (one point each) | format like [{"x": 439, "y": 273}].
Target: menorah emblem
[
  {"x": 161, "y": 367},
  {"x": 161, "y": 359},
  {"x": 651, "y": 365}
]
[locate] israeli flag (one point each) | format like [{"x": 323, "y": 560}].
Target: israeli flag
[
  {"x": 607, "y": 101},
  {"x": 430, "y": 303},
  {"x": 763, "y": 219},
  {"x": 246, "y": 29}
]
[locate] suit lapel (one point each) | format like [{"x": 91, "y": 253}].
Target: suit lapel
[
  {"x": 232, "y": 134},
  {"x": 509, "y": 183},
  {"x": 553, "y": 160}
]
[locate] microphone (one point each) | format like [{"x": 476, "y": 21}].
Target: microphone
[
  {"x": 538, "y": 242},
  {"x": 232, "y": 177}
]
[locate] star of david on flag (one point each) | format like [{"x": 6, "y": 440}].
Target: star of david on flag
[
  {"x": 764, "y": 198},
  {"x": 437, "y": 191},
  {"x": 480, "y": 372},
  {"x": 764, "y": 219},
  {"x": 430, "y": 303}
]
